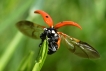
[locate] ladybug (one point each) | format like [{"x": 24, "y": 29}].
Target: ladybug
[{"x": 54, "y": 37}]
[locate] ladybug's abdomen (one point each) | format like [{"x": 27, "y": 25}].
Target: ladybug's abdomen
[{"x": 52, "y": 38}]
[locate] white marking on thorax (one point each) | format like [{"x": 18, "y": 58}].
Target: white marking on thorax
[
  {"x": 45, "y": 29},
  {"x": 53, "y": 31}
]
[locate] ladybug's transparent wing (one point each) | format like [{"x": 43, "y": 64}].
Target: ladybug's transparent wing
[
  {"x": 30, "y": 29},
  {"x": 78, "y": 47}
]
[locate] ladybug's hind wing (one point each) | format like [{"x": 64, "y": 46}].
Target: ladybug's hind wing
[
  {"x": 30, "y": 29},
  {"x": 78, "y": 47}
]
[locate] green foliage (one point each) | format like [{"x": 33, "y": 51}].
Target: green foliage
[
  {"x": 41, "y": 57},
  {"x": 18, "y": 52}
]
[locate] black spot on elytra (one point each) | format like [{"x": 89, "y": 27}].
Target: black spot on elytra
[{"x": 46, "y": 16}]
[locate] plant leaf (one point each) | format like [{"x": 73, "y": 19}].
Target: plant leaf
[{"x": 41, "y": 56}]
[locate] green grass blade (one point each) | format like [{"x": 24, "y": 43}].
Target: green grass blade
[
  {"x": 41, "y": 57},
  {"x": 4, "y": 59},
  {"x": 25, "y": 61}
]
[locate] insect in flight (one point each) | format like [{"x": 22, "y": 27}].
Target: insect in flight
[{"x": 54, "y": 37}]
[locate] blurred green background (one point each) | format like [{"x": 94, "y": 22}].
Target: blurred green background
[{"x": 18, "y": 52}]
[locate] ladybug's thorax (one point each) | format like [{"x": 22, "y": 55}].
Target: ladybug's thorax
[{"x": 52, "y": 37}]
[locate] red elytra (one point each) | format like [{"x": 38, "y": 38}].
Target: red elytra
[
  {"x": 49, "y": 21},
  {"x": 76, "y": 46}
]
